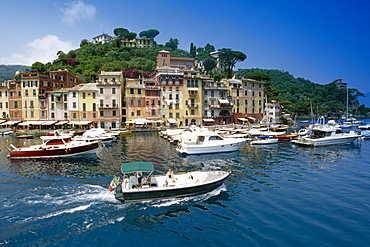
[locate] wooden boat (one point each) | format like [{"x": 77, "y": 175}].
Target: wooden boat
[
  {"x": 288, "y": 137},
  {"x": 156, "y": 187},
  {"x": 53, "y": 148}
]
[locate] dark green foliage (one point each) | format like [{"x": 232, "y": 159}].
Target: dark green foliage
[
  {"x": 326, "y": 99},
  {"x": 151, "y": 33},
  {"x": 229, "y": 58},
  {"x": 172, "y": 43}
]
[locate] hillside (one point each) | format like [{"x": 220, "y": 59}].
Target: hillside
[
  {"x": 7, "y": 72},
  {"x": 297, "y": 94}
]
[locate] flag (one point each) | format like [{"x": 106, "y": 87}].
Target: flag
[{"x": 113, "y": 184}]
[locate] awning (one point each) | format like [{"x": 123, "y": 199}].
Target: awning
[
  {"x": 192, "y": 88},
  {"x": 223, "y": 101},
  {"x": 48, "y": 122},
  {"x": 61, "y": 122},
  {"x": 171, "y": 120},
  {"x": 80, "y": 122},
  {"x": 137, "y": 166},
  {"x": 208, "y": 120},
  {"x": 58, "y": 95},
  {"x": 10, "y": 123}
]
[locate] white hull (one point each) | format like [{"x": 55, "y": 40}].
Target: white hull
[
  {"x": 326, "y": 141},
  {"x": 264, "y": 142},
  {"x": 216, "y": 147}
]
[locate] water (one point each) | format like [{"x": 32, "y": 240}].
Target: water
[{"x": 277, "y": 195}]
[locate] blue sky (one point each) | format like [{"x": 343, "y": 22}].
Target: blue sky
[{"x": 316, "y": 40}]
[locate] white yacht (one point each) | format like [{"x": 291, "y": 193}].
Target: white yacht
[
  {"x": 210, "y": 142},
  {"x": 323, "y": 135}
]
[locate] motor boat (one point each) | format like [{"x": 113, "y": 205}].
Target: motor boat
[
  {"x": 323, "y": 135},
  {"x": 97, "y": 134},
  {"x": 149, "y": 187},
  {"x": 264, "y": 140},
  {"x": 364, "y": 130},
  {"x": 53, "y": 148},
  {"x": 210, "y": 142}
]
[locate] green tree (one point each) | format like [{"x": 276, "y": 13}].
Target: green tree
[
  {"x": 259, "y": 76},
  {"x": 172, "y": 43},
  {"x": 84, "y": 42},
  {"x": 193, "y": 50},
  {"x": 229, "y": 58},
  {"x": 151, "y": 33},
  {"x": 209, "y": 64},
  {"x": 130, "y": 36},
  {"x": 120, "y": 31},
  {"x": 38, "y": 66}
]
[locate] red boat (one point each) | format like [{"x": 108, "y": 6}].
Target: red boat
[{"x": 53, "y": 148}]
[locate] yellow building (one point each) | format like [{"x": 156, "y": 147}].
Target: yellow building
[
  {"x": 191, "y": 105},
  {"x": 82, "y": 101},
  {"x": 4, "y": 99}
]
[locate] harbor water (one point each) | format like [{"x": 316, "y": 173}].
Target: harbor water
[{"x": 277, "y": 195}]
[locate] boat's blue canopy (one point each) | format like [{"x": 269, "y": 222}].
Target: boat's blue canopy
[
  {"x": 263, "y": 137},
  {"x": 137, "y": 166}
]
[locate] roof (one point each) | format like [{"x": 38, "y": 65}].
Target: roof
[{"x": 137, "y": 166}]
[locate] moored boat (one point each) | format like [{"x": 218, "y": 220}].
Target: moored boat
[
  {"x": 53, "y": 148},
  {"x": 210, "y": 142},
  {"x": 264, "y": 140},
  {"x": 324, "y": 135},
  {"x": 149, "y": 187}
]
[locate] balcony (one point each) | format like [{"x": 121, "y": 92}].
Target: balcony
[
  {"x": 108, "y": 107},
  {"x": 42, "y": 96}
]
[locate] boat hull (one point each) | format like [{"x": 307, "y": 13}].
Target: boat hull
[
  {"x": 208, "y": 149},
  {"x": 166, "y": 192},
  {"x": 326, "y": 141},
  {"x": 53, "y": 152}
]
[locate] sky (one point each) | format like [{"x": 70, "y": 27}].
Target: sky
[{"x": 317, "y": 40}]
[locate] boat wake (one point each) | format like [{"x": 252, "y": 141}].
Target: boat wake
[{"x": 185, "y": 200}]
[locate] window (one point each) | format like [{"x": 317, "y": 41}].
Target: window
[
  {"x": 84, "y": 115},
  {"x": 65, "y": 97},
  {"x": 101, "y": 90},
  {"x": 84, "y": 95},
  {"x": 32, "y": 114},
  {"x": 192, "y": 112},
  {"x": 33, "y": 92},
  {"x": 101, "y": 113},
  {"x": 93, "y": 95},
  {"x": 74, "y": 105},
  {"x": 52, "y": 115},
  {"x": 74, "y": 94},
  {"x": 74, "y": 115},
  {"x": 51, "y": 106},
  {"x": 94, "y": 115},
  {"x": 153, "y": 113},
  {"x": 101, "y": 103},
  {"x": 94, "y": 106},
  {"x": 177, "y": 115},
  {"x": 114, "y": 113},
  {"x": 65, "y": 115},
  {"x": 139, "y": 102},
  {"x": 113, "y": 90},
  {"x": 83, "y": 106},
  {"x": 139, "y": 91},
  {"x": 15, "y": 104},
  {"x": 113, "y": 102},
  {"x": 132, "y": 91},
  {"x": 65, "y": 106},
  {"x": 138, "y": 113}
]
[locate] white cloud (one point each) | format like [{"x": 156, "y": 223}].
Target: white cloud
[
  {"x": 39, "y": 50},
  {"x": 78, "y": 11}
]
